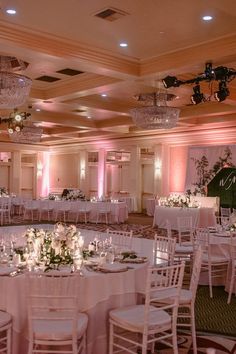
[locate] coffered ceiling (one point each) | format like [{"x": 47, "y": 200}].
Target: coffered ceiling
[{"x": 164, "y": 38}]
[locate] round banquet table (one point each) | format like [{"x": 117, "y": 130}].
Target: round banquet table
[{"x": 98, "y": 294}]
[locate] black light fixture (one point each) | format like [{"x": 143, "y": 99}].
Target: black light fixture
[
  {"x": 197, "y": 96},
  {"x": 171, "y": 81},
  {"x": 15, "y": 121},
  {"x": 221, "y": 73},
  {"x": 223, "y": 92}
]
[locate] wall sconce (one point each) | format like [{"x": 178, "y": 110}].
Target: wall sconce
[
  {"x": 158, "y": 168},
  {"x": 39, "y": 169},
  {"x": 82, "y": 173}
]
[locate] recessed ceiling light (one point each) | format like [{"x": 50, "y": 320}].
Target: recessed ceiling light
[
  {"x": 89, "y": 117},
  {"x": 11, "y": 11},
  {"x": 207, "y": 18},
  {"x": 38, "y": 109},
  {"x": 123, "y": 44},
  {"x": 104, "y": 95}
]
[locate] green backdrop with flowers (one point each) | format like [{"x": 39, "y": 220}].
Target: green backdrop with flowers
[{"x": 223, "y": 185}]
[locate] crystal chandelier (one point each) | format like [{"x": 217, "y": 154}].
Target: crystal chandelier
[
  {"x": 155, "y": 116},
  {"x": 30, "y": 134},
  {"x": 14, "y": 88},
  {"x": 15, "y": 121}
]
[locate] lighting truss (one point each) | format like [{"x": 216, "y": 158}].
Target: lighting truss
[{"x": 221, "y": 74}]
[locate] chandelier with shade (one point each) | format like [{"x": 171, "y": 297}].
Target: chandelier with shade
[
  {"x": 155, "y": 113},
  {"x": 14, "y": 87}
]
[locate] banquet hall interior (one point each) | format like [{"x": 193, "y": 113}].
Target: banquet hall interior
[{"x": 118, "y": 122}]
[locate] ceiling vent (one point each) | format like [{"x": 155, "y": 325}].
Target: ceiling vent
[
  {"x": 46, "y": 78},
  {"x": 111, "y": 14},
  {"x": 69, "y": 72}
]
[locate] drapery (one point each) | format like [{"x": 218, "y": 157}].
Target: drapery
[{"x": 212, "y": 153}]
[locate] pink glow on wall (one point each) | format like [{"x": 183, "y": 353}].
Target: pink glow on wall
[
  {"x": 43, "y": 164},
  {"x": 178, "y": 167},
  {"x": 101, "y": 173},
  {"x": 45, "y": 177}
]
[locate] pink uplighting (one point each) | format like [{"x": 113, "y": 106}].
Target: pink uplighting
[
  {"x": 101, "y": 173},
  {"x": 43, "y": 174},
  {"x": 178, "y": 165}
]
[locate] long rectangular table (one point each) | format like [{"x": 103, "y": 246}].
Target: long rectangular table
[{"x": 202, "y": 217}]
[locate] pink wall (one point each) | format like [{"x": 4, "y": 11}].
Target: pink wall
[
  {"x": 63, "y": 171},
  {"x": 178, "y": 167}
]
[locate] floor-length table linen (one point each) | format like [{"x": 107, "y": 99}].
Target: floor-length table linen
[
  {"x": 202, "y": 217},
  {"x": 119, "y": 210},
  {"x": 98, "y": 294},
  {"x": 150, "y": 204}
]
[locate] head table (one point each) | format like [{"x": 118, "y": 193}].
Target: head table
[
  {"x": 202, "y": 217},
  {"x": 98, "y": 293}
]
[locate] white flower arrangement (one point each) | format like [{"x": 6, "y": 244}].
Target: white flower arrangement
[
  {"x": 53, "y": 247},
  {"x": 74, "y": 195},
  {"x": 3, "y": 192},
  {"x": 176, "y": 200}
]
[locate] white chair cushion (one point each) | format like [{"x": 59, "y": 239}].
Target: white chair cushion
[
  {"x": 214, "y": 259},
  {"x": 59, "y": 330},
  {"x": 132, "y": 317},
  {"x": 5, "y": 318},
  {"x": 183, "y": 248},
  {"x": 165, "y": 296}
]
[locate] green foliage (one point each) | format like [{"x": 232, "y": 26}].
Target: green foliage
[{"x": 205, "y": 175}]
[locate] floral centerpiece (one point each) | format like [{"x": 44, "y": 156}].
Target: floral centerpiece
[
  {"x": 3, "y": 192},
  {"x": 53, "y": 248},
  {"x": 73, "y": 194},
  {"x": 176, "y": 200}
]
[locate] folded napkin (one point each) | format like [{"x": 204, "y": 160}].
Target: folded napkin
[
  {"x": 113, "y": 268},
  {"x": 134, "y": 260}
]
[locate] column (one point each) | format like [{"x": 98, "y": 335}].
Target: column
[
  {"x": 101, "y": 172},
  {"x": 135, "y": 176},
  {"x": 15, "y": 183}
]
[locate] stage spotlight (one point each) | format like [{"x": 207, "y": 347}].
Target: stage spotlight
[
  {"x": 197, "y": 97},
  {"x": 170, "y": 81},
  {"x": 223, "y": 92},
  {"x": 221, "y": 73}
]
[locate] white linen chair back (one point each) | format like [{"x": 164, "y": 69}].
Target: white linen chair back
[
  {"x": 5, "y": 332},
  {"x": 225, "y": 212},
  {"x": 196, "y": 272},
  {"x": 214, "y": 265},
  {"x": 168, "y": 228},
  {"x": 147, "y": 324},
  {"x": 103, "y": 209},
  {"x": 121, "y": 239},
  {"x": 232, "y": 265},
  {"x": 53, "y": 312},
  {"x": 5, "y": 209},
  {"x": 163, "y": 250},
  {"x": 84, "y": 210},
  {"x": 185, "y": 229}
]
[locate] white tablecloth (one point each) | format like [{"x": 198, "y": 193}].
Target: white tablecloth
[
  {"x": 202, "y": 217},
  {"x": 150, "y": 206},
  {"x": 131, "y": 203},
  {"x": 119, "y": 210},
  {"x": 98, "y": 293}
]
